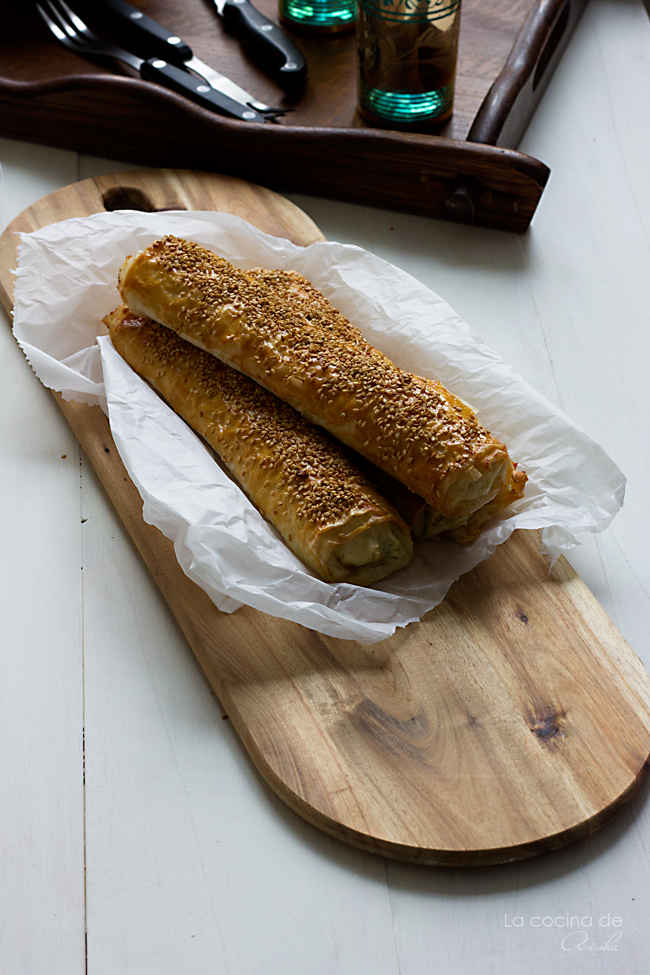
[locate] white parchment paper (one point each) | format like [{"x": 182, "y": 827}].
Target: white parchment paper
[{"x": 66, "y": 283}]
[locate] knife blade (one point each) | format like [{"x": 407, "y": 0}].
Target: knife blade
[
  {"x": 149, "y": 38},
  {"x": 266, "y": 40}
]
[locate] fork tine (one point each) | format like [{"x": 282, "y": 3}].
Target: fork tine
[
  {"x": 74, "y": 34},
  {"x": 64, "y": 18},
  {"x": 75, "y": 20},
  {"x": 53, "y": 25},
  {"x": 57, "y": 22}
]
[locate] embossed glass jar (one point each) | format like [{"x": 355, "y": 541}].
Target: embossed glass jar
[{"x": 407, "y": 53}]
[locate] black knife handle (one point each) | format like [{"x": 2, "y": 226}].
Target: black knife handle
[
  {"x": 267, "y": 40},
  {"x": 181, "y": 81},
  {"x": 148, "y": 37}
]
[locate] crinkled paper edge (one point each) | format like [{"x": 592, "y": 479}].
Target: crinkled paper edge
[{"x": 66, "y": 274}]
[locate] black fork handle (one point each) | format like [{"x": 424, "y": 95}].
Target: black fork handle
[{"x": 144, "y": 34}]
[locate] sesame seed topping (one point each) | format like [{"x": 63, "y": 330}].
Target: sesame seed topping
[
  {"x": 278, "y": 329},
  {"x": 236, "y": 414}
]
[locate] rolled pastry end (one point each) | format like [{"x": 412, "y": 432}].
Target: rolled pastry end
[
  {"x": 301, "y": 481},
  {"x": 511, "y": 491},
  {"x": 362, "y": 552},
  {"x": 427, "y": 522}
]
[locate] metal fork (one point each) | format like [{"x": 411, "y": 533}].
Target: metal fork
[{"x": 70, "y": 30}]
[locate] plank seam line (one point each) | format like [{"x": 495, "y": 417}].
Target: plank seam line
[
  {"x": 392, "y": 916},
  {"x": 83, "y": 706}
]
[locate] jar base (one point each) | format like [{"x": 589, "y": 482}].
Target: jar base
[
  {"x": 406, "y": 110},
  {"x": 400, "y": 125},
  {"x": 318, "y": 16}
]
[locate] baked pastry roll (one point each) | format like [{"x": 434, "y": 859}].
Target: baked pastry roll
[
  {"x": 410, "y": 427},
  {"x": 424, "y": 520},
  {"x": 303, "y": 482}
]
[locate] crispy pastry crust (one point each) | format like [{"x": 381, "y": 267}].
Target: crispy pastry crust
[
  {"x": 424, "y": 519},
  {"x": 411, "y": 427},
  {"x": 301, "y": 481}
]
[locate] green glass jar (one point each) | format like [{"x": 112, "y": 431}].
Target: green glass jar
[
  {"x": 407, "y": 54},
  {"x": 318, "y": 16}
]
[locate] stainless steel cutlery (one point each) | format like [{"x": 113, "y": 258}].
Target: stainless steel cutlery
[
  {"x": 174, "y": 66},
  {"x": 267, "y": 43}
]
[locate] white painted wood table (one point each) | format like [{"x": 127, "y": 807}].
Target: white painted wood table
[{"x": 136, "y": 836}]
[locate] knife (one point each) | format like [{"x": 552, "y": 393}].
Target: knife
[
  {"x": 265, "y": 40},
  {"x": 152, "y": 39}
]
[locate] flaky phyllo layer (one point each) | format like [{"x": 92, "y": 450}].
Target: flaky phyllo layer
[
  {"x": 281, "y": 332},
  {"x": 301, "y": 480}
]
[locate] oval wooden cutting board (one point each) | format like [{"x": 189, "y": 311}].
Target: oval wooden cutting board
[{"x": 512, "y": 720}]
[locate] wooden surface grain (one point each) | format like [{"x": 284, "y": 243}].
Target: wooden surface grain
[{"x": 473, "y": 737}]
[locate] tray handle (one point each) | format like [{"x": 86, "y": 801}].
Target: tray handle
[{"x": 515, "y": 94}]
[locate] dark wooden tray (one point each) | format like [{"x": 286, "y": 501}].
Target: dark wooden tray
[{"x": 468, "y": 171}]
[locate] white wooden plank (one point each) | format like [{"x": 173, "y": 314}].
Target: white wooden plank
[
  {"x": 463, "y": 921},
  {"x": 591, "y": 282},
  {"x": 30, "y": 172},
  {"x": 90, "y": 166},
  {"x": 41, "y": 692},
  {"x": 192, "y": 864}
]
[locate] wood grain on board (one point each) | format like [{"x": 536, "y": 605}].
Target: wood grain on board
[
  {"x": 511, "y": 721},
  {"x": 508, "y": 51}
]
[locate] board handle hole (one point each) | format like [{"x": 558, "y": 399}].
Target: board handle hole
[
  {"x": 126, "y": 198},
  {"x": 132, "y": 198}
]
